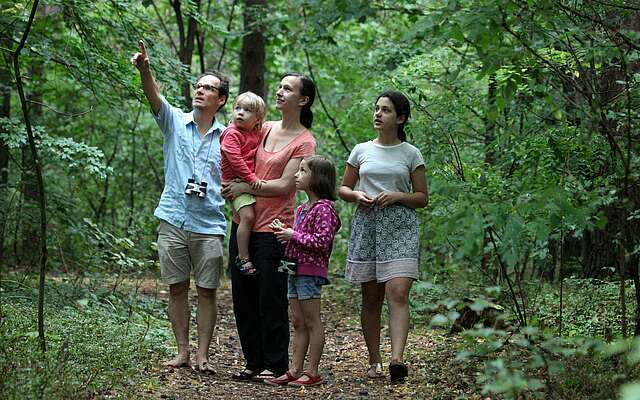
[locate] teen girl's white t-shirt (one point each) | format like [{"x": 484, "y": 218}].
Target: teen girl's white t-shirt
[{"x": 385, "y": 168}]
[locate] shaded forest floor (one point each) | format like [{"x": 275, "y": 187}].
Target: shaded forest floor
[
  {"x": 434, "y": 374},
  {"x": 108, "y": 337}
]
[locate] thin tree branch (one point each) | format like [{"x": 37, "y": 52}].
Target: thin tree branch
[
  {"x": 152, "y": 163},
  {"x": 324, "y": 107},
  {"x": 600, "y": 22},
  {"x": 224, "y": 42},
  {"x": 133, "y": 167},
  {"x": 164, "y": 27},
  {"x": 15, "y": 161},
  {"x": 521, "y": 316},
  {"x": 60, "y": 112},
  {"x": 622, "y": 6},
  {"x": 537, "y": 55}
]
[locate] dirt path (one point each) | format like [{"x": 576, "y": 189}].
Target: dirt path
[{"x": 429, "y": 355}]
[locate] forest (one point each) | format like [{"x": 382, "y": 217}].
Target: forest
[{"x": 525, "y": 112}]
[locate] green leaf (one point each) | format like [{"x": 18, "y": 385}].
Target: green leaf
[
  {"x": 557, "y": 114},
  {"x": 479, "y": 305},
  {"x": 630, "y": 391},
  {"x": 439, "y": 320},
  {"x": 463, "y": 355}
]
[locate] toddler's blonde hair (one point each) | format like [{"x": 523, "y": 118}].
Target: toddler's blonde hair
[{"x": 254, "y": 103}]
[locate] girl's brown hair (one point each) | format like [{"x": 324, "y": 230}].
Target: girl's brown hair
[
  {"x": 402, "y": 106},
  {"x": 323, "y": 177}
]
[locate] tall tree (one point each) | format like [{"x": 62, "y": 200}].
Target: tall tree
[
  {"x": 252, "y": 55},
  {"x": 38, "y": 173},
  {"x": 5, "y": 110}
]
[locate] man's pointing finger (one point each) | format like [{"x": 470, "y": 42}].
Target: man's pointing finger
[{"x": 143, "y": 49}]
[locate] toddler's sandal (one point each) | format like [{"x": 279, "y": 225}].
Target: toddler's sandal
[{"x": 246, "y": 267}]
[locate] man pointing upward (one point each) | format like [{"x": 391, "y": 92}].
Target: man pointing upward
[{"x": 192, "y": 222}]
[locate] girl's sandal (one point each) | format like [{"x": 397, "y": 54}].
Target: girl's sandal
[
  {"x": 281, "y": 380},
  {"x": 310, "y": 381},
  {"x": 375, "y": 371}
]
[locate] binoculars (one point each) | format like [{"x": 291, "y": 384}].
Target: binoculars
[{"x": 197, "y": 189}]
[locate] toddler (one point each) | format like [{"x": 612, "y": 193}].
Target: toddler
[{"x": 238, "y": 144}]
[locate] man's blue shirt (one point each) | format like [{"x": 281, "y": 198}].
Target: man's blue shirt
[{"x": 187, "y": 155}]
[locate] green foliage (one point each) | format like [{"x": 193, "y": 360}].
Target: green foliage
[
  {"x": 118, "y": 254},
  {"x": 99, "y": 341},
  {"x": 525, "y": 113},
  {"x": 72, "y": 155},
  {"x": 533, "y": 364},
  {"x": 591, "y": 308}
]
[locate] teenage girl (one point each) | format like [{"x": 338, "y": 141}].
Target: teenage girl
[
  {"x": 384, "y": 243},
  {"x": 309, "y": 245}
]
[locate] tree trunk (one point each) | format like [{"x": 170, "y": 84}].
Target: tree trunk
[
  {"x": 489, "y": 160},
  {"x": 39, "y": 179},
  {"x": 635, "y": 269},
  {"x": 132, "y": 183},
  {"x": 622, "y": 292},
  {"x": 29, "y": 236},
  {"x": 252, "y": 56},
  {"x": 490, "y": 125},
  {"x": 5, "y": 111}
]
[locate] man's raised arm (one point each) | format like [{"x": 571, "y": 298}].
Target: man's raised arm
[{"x": 149, "y": 86}]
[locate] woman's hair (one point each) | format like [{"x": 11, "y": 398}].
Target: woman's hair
[
  {"x": 402, "y": 106},
  {"x": 308, "y": 89},
  {"x": 223, "y": 90},
  {"x": 253, "y": 103},
  {"x": 323, "y": 177}
]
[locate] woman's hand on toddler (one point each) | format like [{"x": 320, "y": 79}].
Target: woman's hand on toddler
[
  {"x": 283, "y": 234},
  {"x": 257, "y": 185},
  {"x": 231, "y": 190}
]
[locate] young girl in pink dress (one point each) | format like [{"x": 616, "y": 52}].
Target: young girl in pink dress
[{"x": 309, "y": 246}]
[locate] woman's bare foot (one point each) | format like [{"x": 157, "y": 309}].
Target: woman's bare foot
[{"x": 181, "y": 360}]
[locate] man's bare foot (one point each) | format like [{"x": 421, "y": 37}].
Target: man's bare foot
[{"x": 181, "y": 360}]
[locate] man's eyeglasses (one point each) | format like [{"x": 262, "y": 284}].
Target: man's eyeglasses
[{"x": 206, "y": 87}]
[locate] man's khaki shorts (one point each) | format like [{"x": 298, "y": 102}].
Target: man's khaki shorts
[{"x": 181, "y": 251}]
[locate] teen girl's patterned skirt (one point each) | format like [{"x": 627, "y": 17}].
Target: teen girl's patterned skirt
[{"x": 384, "y": 244}]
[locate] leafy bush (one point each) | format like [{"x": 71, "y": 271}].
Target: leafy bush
[{"x": 99, "y": 341}]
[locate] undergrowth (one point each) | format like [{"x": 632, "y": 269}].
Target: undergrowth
[{"x": 99, "y": 341}]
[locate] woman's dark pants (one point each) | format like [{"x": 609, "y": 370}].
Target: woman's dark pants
[{"x": 260, "y": 304}]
